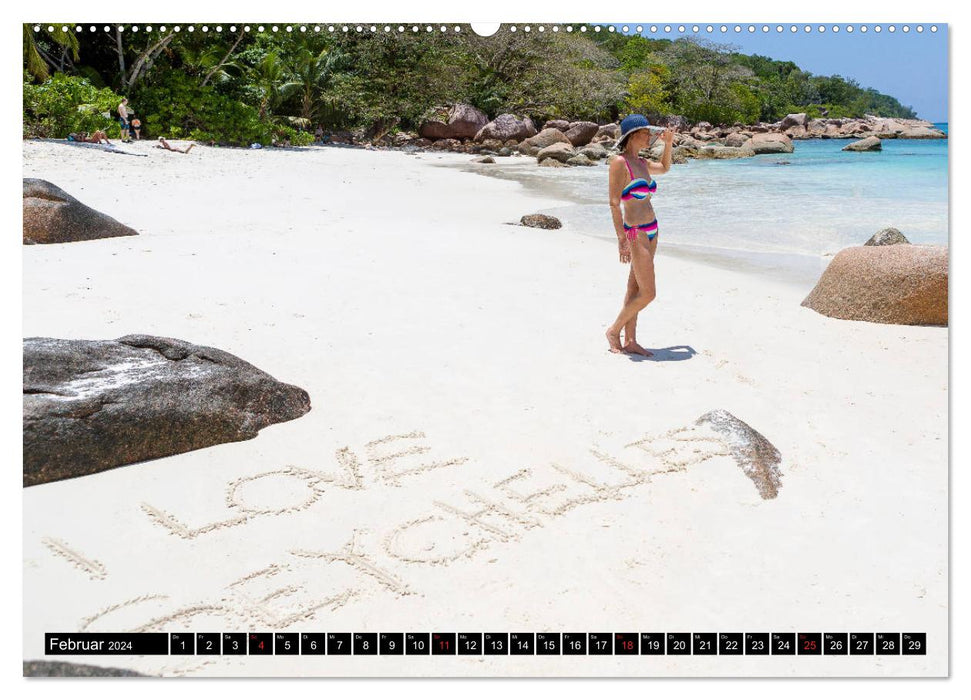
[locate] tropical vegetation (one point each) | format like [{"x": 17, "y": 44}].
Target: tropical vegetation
[{"x": 238, "y": 87}]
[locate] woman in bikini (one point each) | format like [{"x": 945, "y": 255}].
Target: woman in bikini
[
  {"x": 83, "y": 137},
  {"x": 631, "y": 186}
]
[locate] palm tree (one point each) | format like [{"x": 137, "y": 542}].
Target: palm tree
[
  {"x": 310, "y": 76},
  {"x": 211, "y": 59},
  {"x": 36, "y": 59},
  {"x": 266, "y": 76}
]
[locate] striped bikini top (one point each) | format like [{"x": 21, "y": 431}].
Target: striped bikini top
[{"x": 638, "y": 188}]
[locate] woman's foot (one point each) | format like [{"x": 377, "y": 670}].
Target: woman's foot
[
  {"x": 632, "y": 348},
  {"x": 613, "y": 337}
]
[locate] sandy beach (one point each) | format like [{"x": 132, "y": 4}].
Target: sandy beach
[{"x": 475, "y": 458}]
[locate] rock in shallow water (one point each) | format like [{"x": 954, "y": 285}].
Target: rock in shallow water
[
  {"x": 580, "y": 159},
  {"x": 51, "y": 215},
  {"x": 558, "y": 151},
  {"x": 594, "y": 151},
  {"x": 757, "y": 457},
  {"x": 888, "y": 236},
  {"x": 870, "y": 143},
  {"x": 91, "y": 405},
  {"x": 769, "y": 143}
]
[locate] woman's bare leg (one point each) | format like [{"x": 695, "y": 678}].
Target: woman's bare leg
[
  {"x": 631, "y": 345},
  {"x": 642, "y": 265},
  {"x": 630, "y": 329}
]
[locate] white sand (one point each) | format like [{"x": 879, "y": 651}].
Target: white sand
[{"x": 394, "y": 293}]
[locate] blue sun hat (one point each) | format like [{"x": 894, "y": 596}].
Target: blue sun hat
[{"x": 630, "y": 124}]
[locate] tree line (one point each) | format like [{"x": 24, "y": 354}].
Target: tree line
[{"x": 239, "y": 87}]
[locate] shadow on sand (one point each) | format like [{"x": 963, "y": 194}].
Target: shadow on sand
[
  {"x": 674, "y": 353},
  {"x": 112, "y": 148}
]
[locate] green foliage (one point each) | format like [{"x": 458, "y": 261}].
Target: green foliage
[
  {"x": 63, "y": 104},
  {"x": 310, "y": 76},
  {"x": 283, "y": 133},
  {"x": 264, "y": 80},
  {"x": 48, "y": 47},
  {"x": 766, "y": 68},
  {"x": 396, "y": 77},
  {"x": 638, "y": 53},
  {"x": 542, "y": 76},
  {"x": 825, "y": 111},
  {"x": 708, "y": 85},
  {"x": 647, "y": 93},
  {"x": 582, "y": 81},
  {"x": 180, "y": 105},
  {"x": 239, "y": 88}
]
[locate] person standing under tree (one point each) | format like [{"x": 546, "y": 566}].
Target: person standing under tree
[{"x": 123, "y": 119}]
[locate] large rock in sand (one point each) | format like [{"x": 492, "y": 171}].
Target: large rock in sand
[
  {"x": 91, "y": 405},
  {"x": 540, "y": 221},
  {"x": 790, "y": 120},
  {"x": 903, "y": 284},
  {"x": 582, "y": 133},
  {"x": 506, "y": 127},
  {"x": 608, "y": 132},
  {"x": 462, "y": 121},
  {"x": 547, "y": 137},
  {"x": 51, "y": 215}
]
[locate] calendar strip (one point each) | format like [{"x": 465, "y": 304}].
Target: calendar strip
[{"x": 489, "y": 644}]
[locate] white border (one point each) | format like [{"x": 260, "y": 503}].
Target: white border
[{"x": 742, "y": 11}]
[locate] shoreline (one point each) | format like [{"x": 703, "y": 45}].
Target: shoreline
[{"x": 794, "y": 269}]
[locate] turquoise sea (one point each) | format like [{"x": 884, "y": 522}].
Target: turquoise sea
[{"x": 782, "y": 215}]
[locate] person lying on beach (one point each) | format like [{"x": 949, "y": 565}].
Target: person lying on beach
[
  {"x": 631, "y": 186},
  {"x": 83, "y": 137},
  {"x": 162, "y": 143}
]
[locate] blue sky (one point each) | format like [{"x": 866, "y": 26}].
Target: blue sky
[{"x": 911, "y": 66}]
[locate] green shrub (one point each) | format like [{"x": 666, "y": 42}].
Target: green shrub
[
  {"x": 180, "y": 107},
  {"x": 302, "y": 138},
  {"x": 284, "y": 132},
  {"x": 63, "y": 104},
  {"x": 832, "y": 111}
]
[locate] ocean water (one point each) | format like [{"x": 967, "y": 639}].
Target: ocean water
[{"x": 782, "y": 215}]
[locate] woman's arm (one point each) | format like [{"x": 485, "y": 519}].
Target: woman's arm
[
  {"x": 618, "y": 180},
  {"x": 656, "y": 168},
  {"x": 617, "y": 173}
]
